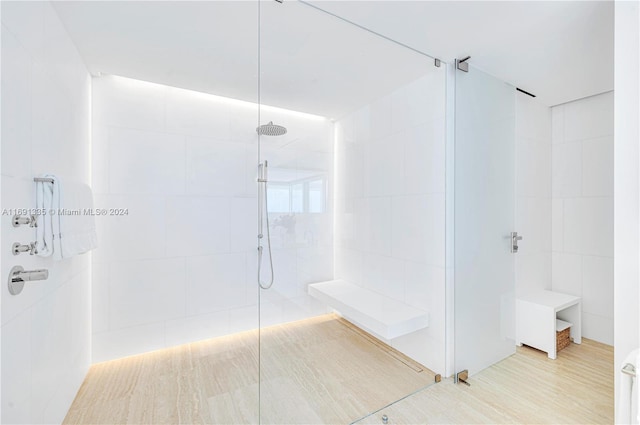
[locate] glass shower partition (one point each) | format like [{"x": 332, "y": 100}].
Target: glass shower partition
[
  {"x": 354, "y": 205},
  {"x": 483, "y": 220}
]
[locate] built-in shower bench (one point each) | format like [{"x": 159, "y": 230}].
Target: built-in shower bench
[{"x": 384, "y": 316}]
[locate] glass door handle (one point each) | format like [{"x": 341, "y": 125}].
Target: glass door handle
[{"x": 514, "y": 242}]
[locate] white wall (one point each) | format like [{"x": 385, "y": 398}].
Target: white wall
[
  {"x": 390, "y": 205},
  {"x": 181, "y": 266},
  {"x": 533, "y": 194},
  {"x": 582, "y": 209},
  {"x": 626, "y": 182},
  {"x": 564, "y": 204},
  {"x": 45, "y": 128}
]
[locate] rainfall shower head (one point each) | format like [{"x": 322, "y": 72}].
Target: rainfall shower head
[{"x": 271, "y": 129}]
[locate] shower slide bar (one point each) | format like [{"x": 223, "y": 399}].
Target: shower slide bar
[{"x": 629, "y": 369}]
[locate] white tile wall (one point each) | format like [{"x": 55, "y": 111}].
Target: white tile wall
[
  {"x": 145, "y": 291},
  {"x": 423, "y": 149},
  {"x": 567, "y": 273},
  {"x": 533, "y": 171},
  {"x": 533, "y": 210},
  {"x": 597, "y": 285},
  {"x": 385, "y": 275},
  {"x": 45, "y": 128},
  {"x": 588, "y": 118},
  {"x": 597, "y": 163},
  {"x": 112, "y": 231},
  {"x": 196, "y": 328},
  {"x": 567, "y": 170},
  {"x": 375, "y": 225},
  {"x": 418, "y": 231},
  {"x": 209, "y": 233},
  {"x": 218, "y": 168},
  {"x": 597, "y": 327},
  {"x": 533, "y": 271},
  {"x": 161, "y": 172},
  {"x": 181, "y": 266},
  {"x": 582, "y": 209},
  {"x": 390, "y": 212},
  {"x": 127, "y": 342},
  {"x": 534, "y": 223},
  {"x": 383, "y": 160},
  {"x": 216, "y": 282},
  {"x": 557, "y": 224}
]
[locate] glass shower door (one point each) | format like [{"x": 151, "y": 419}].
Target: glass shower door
[
  {"x": 355, "y": 209},
  {"x": 483, "y": 220}
]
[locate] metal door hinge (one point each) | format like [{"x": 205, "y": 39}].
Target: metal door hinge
[{"x": 462, "y": 64}]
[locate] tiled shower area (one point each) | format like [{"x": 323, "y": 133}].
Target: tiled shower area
[{"x": 358, "y": 263}]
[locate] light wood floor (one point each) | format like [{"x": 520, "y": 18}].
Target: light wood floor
[
  {"x": 321, "y": 370},
  {"x": 324, "y": 370},
  {"x": 576, "y": 388}
]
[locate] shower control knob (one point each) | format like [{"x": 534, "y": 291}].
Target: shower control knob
[
  {"x": 31, "y": 248},
  {"x": 19, "y": 220}
]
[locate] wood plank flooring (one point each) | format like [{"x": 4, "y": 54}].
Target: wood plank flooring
[
  {"x": 528, "y": 388},
  {"x": 325, "y": 370},
  {"x": 320, "y": 370}
]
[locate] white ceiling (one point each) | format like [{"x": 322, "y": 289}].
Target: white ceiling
[
  {"x": 558, "y": 50},
  {"x": 309, "y": 61},
  {"x": 313, "y": 62}
]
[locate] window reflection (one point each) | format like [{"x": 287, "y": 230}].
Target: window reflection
[{"x": 296, "y": 191}]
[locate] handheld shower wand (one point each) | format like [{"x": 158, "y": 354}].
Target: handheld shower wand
[
  {"x": 269, "y": 129},
  {"x": 263, "y": 211}
]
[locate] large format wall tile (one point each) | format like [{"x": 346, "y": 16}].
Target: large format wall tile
[
  {"x": 146, "y": 291},
  {"x": 144, "y": 162},
  {"x": 582, "y": 209},
  {"x": 216, "y": 282},
  {"x": 182, "y": 263},
  {"x": 197, "y": 226},
  {"x": 390, "y": 209},
  {"x": 567, "y": 170},
  {"x": 589, "y": 117},
  {"x": 597, "y": 166},
  {"x": 46, "y": 333}
]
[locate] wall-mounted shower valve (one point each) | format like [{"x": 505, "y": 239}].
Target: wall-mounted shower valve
[
  {"x": 514, "y": 241},
  {"x": 31, "y": 248},
  {"x": 18, "y": 276}
]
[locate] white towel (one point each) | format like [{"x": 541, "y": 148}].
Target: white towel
[
  {"x": 628, "y": 399},
  {"x": 77, "y": 232},
  {"x": 68, "y": 226},
  {"x": 47, "y": 203}
]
